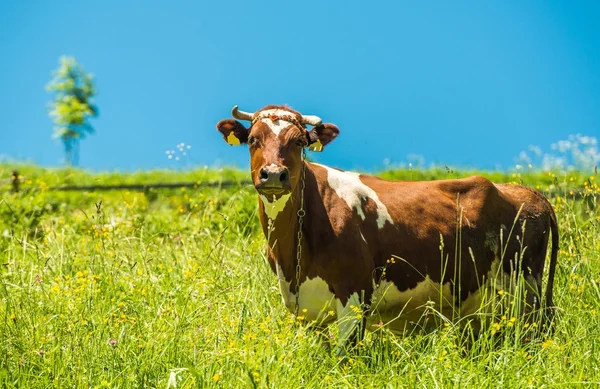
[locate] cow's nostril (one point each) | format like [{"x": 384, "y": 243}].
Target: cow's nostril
[
  {"x": 283, "y": 177},
  {"x": 264, "y": 174}
]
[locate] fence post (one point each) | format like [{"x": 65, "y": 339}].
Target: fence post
[{"x": 15, "y": 181}]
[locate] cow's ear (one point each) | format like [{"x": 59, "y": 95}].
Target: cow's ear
[
  {"x": 321, "y": 135},
  {"x": 233, "y": 131}
]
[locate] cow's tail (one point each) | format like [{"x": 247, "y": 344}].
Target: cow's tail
[{"x": 549, "y": 308}]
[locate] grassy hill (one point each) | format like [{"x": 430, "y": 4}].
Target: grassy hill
[{"x": 147, "y": 289}]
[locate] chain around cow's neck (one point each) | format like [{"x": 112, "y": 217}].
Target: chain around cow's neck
[{"x": 301, "y": 214}]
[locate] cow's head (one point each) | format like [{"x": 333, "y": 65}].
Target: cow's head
[{"x": 275, "y": 138}]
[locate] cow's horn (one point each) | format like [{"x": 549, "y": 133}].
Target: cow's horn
[
  {"x": 241, "y": 115},
  {"x": 312, "y": 120}
]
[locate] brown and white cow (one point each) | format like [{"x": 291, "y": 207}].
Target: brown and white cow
[{"x": 379, "y": 252}]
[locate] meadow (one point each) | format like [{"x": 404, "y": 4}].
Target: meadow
[{"x": 171, "y": 288}]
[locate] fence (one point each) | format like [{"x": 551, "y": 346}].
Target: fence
[
  {"x": 16, "y": 185},
  {"x": 15, "y": 182}
]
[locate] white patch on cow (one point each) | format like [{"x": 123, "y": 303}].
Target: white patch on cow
[
  {"x": 349, "y": 317},
  {"x": 353, "y": 191},
  {"x": 278, "y": 125},
  {"x": 483, "y": 298},
  {"x": 387, "y": 296},
  {"x": 316, "y": 302},
  {"x": 272, "y": 208},
  {"x": 396, "y": 308},
  {"x": 474, "y": 301},
  {"x": 498, "y": 287}
]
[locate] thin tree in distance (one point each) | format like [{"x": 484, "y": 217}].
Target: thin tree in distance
[{"x": 72, "y": 106}]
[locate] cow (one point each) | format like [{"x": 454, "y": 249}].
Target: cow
[{"x": 369, "y": 253}]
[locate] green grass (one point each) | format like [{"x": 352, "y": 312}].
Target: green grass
[{"x": 126, "y": 289}]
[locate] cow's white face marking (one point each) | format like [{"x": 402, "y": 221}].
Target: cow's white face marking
[
  {"x": 278, "y": 125},
  {"x": 353, "y": 191},
  {"x": 316, "y": 302},
  {"x": 275, "y": 205}
]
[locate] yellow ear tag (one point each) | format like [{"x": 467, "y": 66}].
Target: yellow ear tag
[
  {"x": 233, "y": 140},
  {"x": 317, "y": 146}
]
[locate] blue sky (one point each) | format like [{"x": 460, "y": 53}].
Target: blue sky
[{"x": 462, "y": 83}]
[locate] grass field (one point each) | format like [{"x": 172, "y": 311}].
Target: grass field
[{"x": 172, "y": 289}]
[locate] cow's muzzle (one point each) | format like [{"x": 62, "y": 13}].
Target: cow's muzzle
[{"x": 273, "y": 180}]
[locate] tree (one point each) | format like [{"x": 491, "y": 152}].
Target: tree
[{"x": 72, "y": 106}]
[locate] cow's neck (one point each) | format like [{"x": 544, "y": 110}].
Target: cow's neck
[{"x": 281, "y": 226}]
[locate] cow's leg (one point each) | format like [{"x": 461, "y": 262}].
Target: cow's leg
[
  {"x": 351, "y": 321},
  {"x": 533, "y": 293},
  {"x": 532, "y": 256},
  {"x": 533, "y": 271}
]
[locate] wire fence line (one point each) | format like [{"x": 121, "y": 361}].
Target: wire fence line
[{"x": 16, "y": 185}]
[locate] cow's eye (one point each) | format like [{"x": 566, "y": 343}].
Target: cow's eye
[
  {"x": 300, "y": 142},
  {"x": 251, "y": 140}
]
